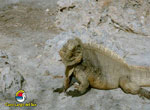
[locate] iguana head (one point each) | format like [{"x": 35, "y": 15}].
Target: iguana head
[{"x": 71, "y": 53}]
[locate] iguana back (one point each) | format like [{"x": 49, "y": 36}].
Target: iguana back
[{"x": 113, "y": 66}]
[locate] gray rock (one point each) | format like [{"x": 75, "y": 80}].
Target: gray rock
[
  {"x": 4, "y": 60},
  {"x": 125, "y": 15},
  {"x": 11, "y": 82}
]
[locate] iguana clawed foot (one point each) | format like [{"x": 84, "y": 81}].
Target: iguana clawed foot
[
  {"x": 74, "y": 93},
  {"x": 59, "y": 90}
]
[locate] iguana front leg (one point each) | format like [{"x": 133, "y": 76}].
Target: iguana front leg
[
  {"x": 130, "y": 87},
  {"x": 81, "y": 76},
  {"x": 66, "y": 84}
]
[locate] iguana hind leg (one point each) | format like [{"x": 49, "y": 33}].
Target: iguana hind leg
[
  {"x": 130, "y": 87},
  {"x": 144, "y": 93},
  {"x": 83, "y": 83}
]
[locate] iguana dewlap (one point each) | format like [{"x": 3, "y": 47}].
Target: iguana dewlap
[{"x": 98, "y": 67}]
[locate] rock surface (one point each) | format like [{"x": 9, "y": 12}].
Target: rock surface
[
  {"x": 30, "y": 41},
  {"x": 12, "y": 81}
]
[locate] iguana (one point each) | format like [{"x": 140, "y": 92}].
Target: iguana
[{"x": 98, "y": 67}]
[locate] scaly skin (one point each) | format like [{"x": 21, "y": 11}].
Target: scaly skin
[{"x": 98, "y": 67}]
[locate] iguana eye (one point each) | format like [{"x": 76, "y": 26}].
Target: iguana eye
[{"x": 78, "y": 45}]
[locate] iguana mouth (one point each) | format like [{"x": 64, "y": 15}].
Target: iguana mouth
[
  {"x": 70, "y": 59},
  {"x": 71, "y": 62}
]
